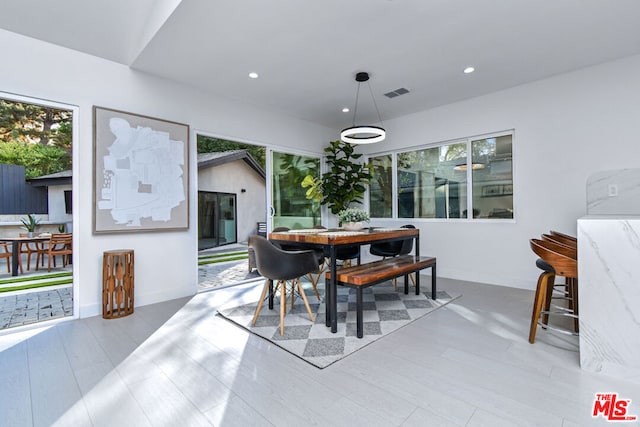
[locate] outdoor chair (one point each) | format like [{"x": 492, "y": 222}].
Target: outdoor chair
[
  {"x": 30, "y": 248},
  {"x": 6, "y": 254},
  {"x": 59, "y": 245}
]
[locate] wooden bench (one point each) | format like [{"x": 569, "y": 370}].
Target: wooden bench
[{"x": 365, "y": 275}]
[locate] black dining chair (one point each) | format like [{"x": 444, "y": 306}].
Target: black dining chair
[
  {"x": 313, "y": 276},
  {"x": 275, "y": 264},
  {"x": 394, "y": 249},
  {"x": 346, "y": 254}
]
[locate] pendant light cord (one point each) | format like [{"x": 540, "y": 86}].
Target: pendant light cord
[
  {"x": 355, "y": 109},
  {"x": 374, "y": 103}
]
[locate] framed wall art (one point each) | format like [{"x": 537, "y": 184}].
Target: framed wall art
[{"x": 141, "y": 173}]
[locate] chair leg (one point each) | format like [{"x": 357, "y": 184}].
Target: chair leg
[
  {"x": 547, "y": 301},
  {"x": 538, "y": 302},
  {"x": 283, "y": 304},
  {"x": 304, "y": 298},
  {"x": 267, "y": 285},
  {"x": 314, "y": 281}
]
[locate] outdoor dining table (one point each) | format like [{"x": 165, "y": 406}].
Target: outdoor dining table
[
  {"x": 331, "y": 240},
  {"x": 15, "y": 248}
]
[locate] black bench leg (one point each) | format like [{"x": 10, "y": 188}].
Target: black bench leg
[
  {"x": 433, "y": 281},
  {"x": 359, "y": 321},
  {"x": 417, "y": 282},
  {"x": 406, "y": 284}
]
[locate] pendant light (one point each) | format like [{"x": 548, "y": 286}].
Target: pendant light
[{"x": 363, "y": 134}]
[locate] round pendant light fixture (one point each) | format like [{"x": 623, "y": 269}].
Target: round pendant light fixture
[{"x": 366, "y": 134}]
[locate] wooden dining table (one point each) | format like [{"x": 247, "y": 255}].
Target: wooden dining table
[
  {"x": 331, "y": 240},
  {"x": 15, "y": 248}
]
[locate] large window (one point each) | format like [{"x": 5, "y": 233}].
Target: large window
[
  {"x": 381, "y": 187},
  {"x": 433, "y": 182},
  {"x": 492, "y": 177},
  {"x": 430, "y": 182}
]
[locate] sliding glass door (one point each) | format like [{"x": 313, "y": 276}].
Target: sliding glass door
[{"x": 289, "y": 204}]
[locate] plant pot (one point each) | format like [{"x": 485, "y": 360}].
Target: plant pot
[
  {"x": 352, "y": 226},
  {"x": 30, "y": 233}
]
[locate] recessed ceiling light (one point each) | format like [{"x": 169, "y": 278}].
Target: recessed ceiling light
[
  {"x": 253, "y": 75},
  {"x": 345, "y": 110},
  {"x": 468, "y": 70}
]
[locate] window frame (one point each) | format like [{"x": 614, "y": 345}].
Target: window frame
[{"x": 468, "y": 140}]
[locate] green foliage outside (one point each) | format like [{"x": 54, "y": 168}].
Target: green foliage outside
[
  {"x": 36, "y": 137},
  {"x": 207, "y": 144},
  {"x": 37, "y": 159}
]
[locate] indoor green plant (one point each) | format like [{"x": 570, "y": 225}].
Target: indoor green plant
[
  {"x": 352, "y": 218},
  {"x": 345, "y": 181},
  {"x": 30, "y": 224}
]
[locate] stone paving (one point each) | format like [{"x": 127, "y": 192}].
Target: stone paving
[
  {"x": 26, "y": 308},
  {"x": 224, "y": 274}
]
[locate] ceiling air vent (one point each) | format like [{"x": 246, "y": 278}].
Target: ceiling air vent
[{"x": 396, "y": 92}]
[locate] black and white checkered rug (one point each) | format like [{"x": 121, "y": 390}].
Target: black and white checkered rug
[{"x": 385, "y": 310}]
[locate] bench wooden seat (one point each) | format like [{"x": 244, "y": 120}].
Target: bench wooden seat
[{"x": 365, "y": 275}]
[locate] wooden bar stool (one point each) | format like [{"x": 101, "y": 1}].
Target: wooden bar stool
[{"x": 561, "y": 262}]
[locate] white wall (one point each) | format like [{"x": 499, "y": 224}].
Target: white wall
[
  {"x": 232, "y": 178},
  {"x": 78, "y": 79},
  {"x": 566, "y": 128}
]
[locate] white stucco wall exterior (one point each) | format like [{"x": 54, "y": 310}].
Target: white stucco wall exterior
[
  {"x": 57, "y": 208},
  {"x": 233, "y": 177}
]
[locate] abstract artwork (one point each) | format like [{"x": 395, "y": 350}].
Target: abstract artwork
[{"x": 141, "y": 173}]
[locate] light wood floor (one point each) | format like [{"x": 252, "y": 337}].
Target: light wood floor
[{"x": 177, "y": 364}]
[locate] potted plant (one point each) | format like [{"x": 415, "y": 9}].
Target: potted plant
[
  {"x": 352, "y": 218},
  {"x": 30, "y": 224},
  {"x": 345, "y": 181}
]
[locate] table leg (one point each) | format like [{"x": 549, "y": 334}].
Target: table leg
[
  {"x": 332, "y": 291},
  {"x": 433, "y": 282},
  {"x": 15, "y": 254},
  {"x": 417, "y": 244}
]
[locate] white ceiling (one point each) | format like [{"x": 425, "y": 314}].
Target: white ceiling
[{"x": 307, "y": 52}]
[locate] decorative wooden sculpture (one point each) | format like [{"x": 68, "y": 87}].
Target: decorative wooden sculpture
[{"x": 117, "y": 283}]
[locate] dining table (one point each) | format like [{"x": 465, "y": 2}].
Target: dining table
[
  {"x": 332, "y": 239},
  {"x": 15, "y": 248}
]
